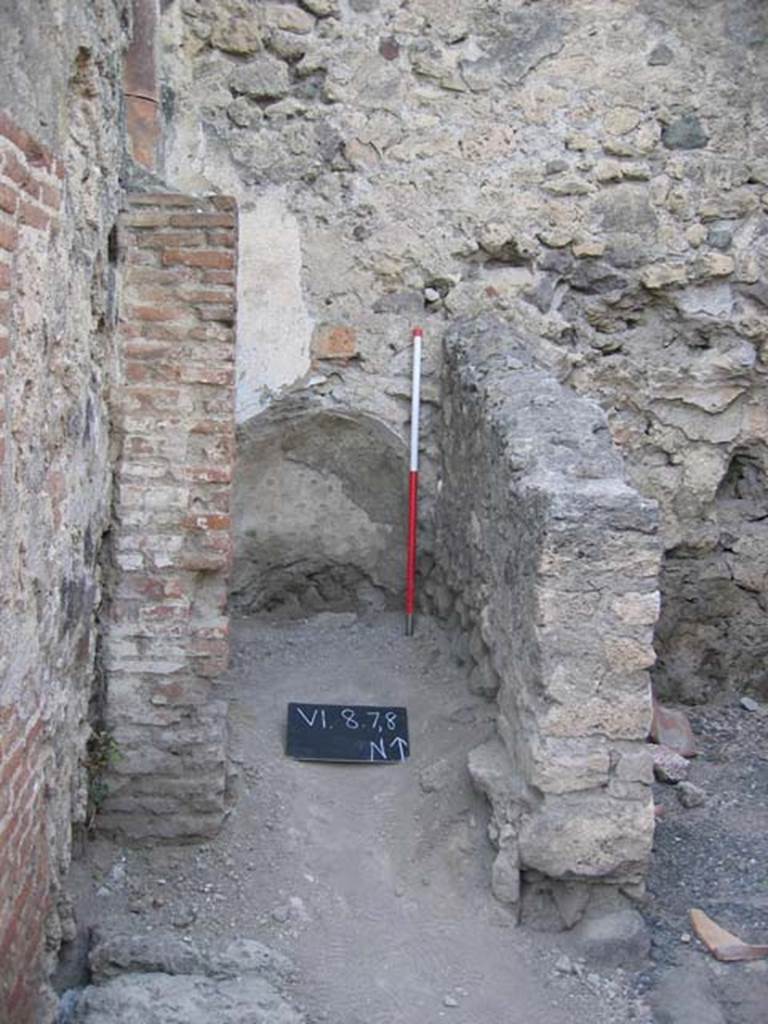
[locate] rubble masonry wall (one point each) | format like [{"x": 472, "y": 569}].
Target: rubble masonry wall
[
  {"x": 551, "y": 567},
  {"x": 59, "y": 158}
]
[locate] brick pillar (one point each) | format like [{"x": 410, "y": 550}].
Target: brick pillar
[{"x": 167, "y": 634}]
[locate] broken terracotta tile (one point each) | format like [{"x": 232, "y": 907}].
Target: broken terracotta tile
[
  {"x": 722, "y": 944},
  {"x": 672, "y": 729}
]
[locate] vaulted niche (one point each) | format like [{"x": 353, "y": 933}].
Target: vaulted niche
[{"x": 319, "y": 512}]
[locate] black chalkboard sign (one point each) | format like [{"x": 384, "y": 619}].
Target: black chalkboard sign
[{"x": 346, "y": 732}]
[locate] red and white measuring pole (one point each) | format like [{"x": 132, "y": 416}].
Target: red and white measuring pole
[{"x": 413, "y": 484}]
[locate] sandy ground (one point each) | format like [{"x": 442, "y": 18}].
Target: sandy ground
[{"x": 373, "y": 879}]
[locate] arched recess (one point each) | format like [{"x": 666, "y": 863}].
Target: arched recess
[
  {"x": 319, "y": 509},
  {"x": 711, "y": 637}
]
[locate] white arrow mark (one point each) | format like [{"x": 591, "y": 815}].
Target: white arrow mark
[{"x": 401, "y": 746}]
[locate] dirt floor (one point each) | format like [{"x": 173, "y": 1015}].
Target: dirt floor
[
  {"x": 714, "y": 856},
  {"x": 373, "y": 879}
]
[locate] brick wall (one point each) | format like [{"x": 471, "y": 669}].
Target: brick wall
[
  {"x": 167, "y": 637},
  {"x": 24, "y": 869},
  {"x": 29, "y": 204}
]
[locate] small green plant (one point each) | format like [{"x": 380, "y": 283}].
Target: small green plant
[{"x": 102, "y": 753}]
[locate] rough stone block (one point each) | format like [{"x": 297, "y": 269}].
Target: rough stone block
[
  {"x": 505, "y": 874},
  {"x": 627, "y": 718},
  {"x": 635, "y": 766},
  {"x": 637, "y": 609},
  {"x": 618, "y": 939},
  {"x": 568, "y": 764},
  {"x": 589, "y": 836}
]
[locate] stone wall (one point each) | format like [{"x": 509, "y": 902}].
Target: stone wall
[
  {"x": 592, "y": 173},
  {"x": 549, "y": 563},
  {"x": 166, "y": 625},
  {"x": 59, "y": 155}
]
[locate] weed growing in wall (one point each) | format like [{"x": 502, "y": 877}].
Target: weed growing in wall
[{"x": 102, "y": 754}]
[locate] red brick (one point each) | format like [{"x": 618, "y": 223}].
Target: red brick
[
  {"x": 33, "y": 216},
  {"x": 145, "y": 219},
  {"x": 36, "y": 153},
  {"x": 19, "y": 1001},
  {"x": 154, "y": 395},
  {"x": 163, "y": 612},
  {"x": 50, "y": 196},
  {"x": 211, "y": 521},
  {"x": 204, "y": 561},
  {"x": 9, "y": 236},
  {"x": 157, "y": 587},
  {"x": 220, "y": 402},
  {"x": 219, "y": 376},
  {"x": 149, "y": 349},
  {"x": 211, "y": 331},
  {"x": 10, "y": 766},
  {"x": 219, "y": 277},
  {"x": 198, "y": 258},
  {"x": 143, "y": 258},
  {"x": 215, "y": 296},
  {"x": 203, "y": 220},
  {"x": 8, "y": 198},
  {"x": 11, "y": 131},
  {"x": 217, "y": 448},
  {"x": 19, "y": 173},
  {"x": 8, "y": 937},
  {"x": 217, "y": 314},
  {"x": 222, "y": 239},
  {"x": 209, "y": 474},
  {"x": 16, "y": 914},
  {"x": 170, "y": 239},
  {"x": 27, "y": 788},
  {"x": 334, "y": 342},
  {"x": 156, "y": 312},
  {"x": 154, "y": 331},
  {"x": 39, "y": 724},
  {"x": 137, "y": 372},
  {"x": 161, "y": 199},
  {"x": 138, "y": 276},
  {"x": 211, "y": 426}
]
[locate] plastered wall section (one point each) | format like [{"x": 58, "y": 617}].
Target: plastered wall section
[
  {"x": 167, "y": 632},
  {"x": 274, "y": 328},
  {"x": 551, "y": 563}
]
